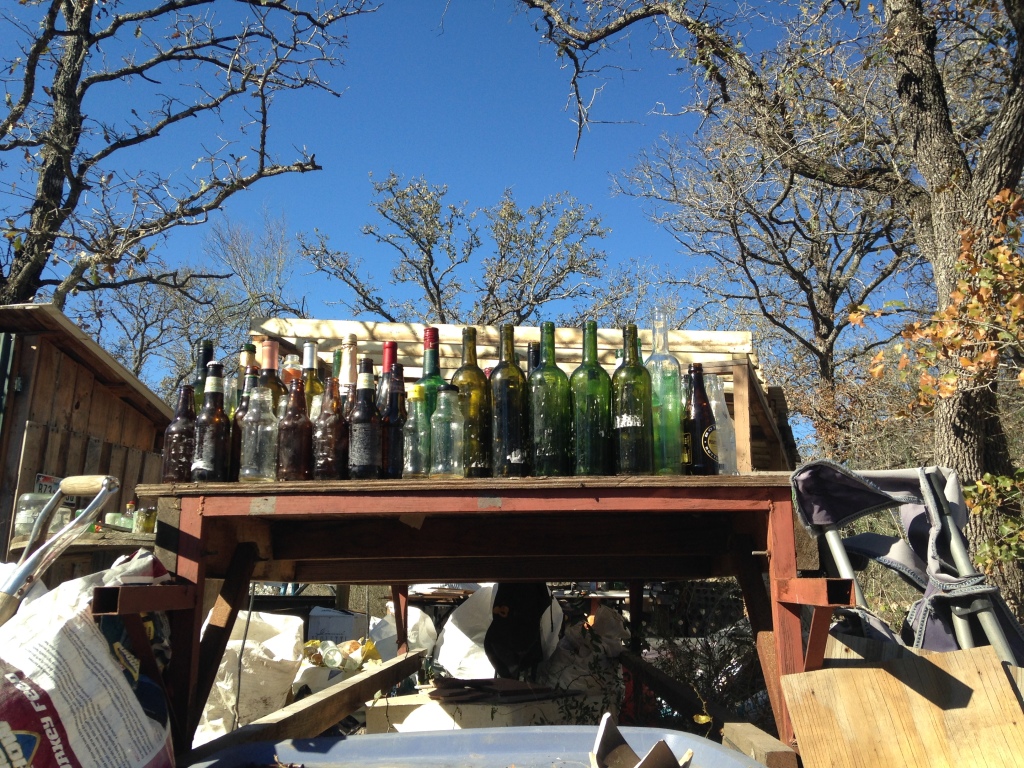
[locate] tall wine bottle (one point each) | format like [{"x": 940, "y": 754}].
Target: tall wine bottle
[
  {"x": 632, "y": 428},
  {"x": 703, "y": 437},
  {"x": 347, "y": 373},
  {"x": 475, "y": 399},
  {"x": 590, "y": 391},
  {"x": 665, "y": 402},
  {"x": 392, "y": 425},
  {"x": 389, "y": 356},
  {"x": 508, "y": 404},
  {"x": 550, "y": 425},
  {"x": 431, "y": 380},
  {"x": 204, "y": 355}
]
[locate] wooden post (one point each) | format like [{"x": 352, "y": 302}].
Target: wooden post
[{"x": 741, "y": 415}]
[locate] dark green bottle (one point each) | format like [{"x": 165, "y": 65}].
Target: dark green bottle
[
  {"x": 632, "y": 422},
  {"x": 590, "y": 392},
  {"x": 431, "y": 380},
  {"x": 508, "y": 405},
  {"x": 204, "y": 355},
  {"x": 550, "y": 417},
  {"x": 475, "y": 399}
]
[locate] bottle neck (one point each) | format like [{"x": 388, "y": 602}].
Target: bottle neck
[
  {"x": 469, "y": 346},
  {"x": 629, "y": 353},
  {"x": 213, "y": 392},
  {"x": 590, "y": 343},
  {"x": 309, "y": 357},
  {"x": 186, "y": 403},
  {"x": 660, "y": 330},
  {"x": 508, "y": 349},
  {"x": 269, "y": 362},
  {"x": 431, "y": 362},
  {"x": 388, "y": 358},
  {"x": 348, "y": 365},
  {"x": 547, "y": 344}
]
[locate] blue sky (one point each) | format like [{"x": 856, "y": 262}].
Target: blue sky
[{"x": 464, "y": 94}]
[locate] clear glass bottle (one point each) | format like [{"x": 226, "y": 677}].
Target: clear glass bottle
[
  {"x": 590, "y": 391},
  {"x": 416, "y": 448},
  {"x": 475, "y": 397},
  {"x": 365, "y": 461},
  {"x": 725, "y": 428},
  {"x": 446, "y": 434},
  {"x": 348, "y": 372},
  {"x": 259, "y": 439},
  {"x": 392, "y": 427},
  {"x": 312, "y": 386},
  {"x": 389, "y": 356},
  {"x": 632, "y": 427},
  {"x": 235, "y": 455},
  {"x": 665, "y": 373},
  {"x": 291, "y": 370},
  {"x": 213, "y": 431},
  {"x": 508, "y": 411},
  {"x": 295, "y": 437},
  {"x": 431, "y": 379},
  {"x": 703, "y": 433},
  {"x": 180, "y": 439},
  {"x": 330, "y": 436},
  {"x": 550, "y": 419},
  {"x": 269, "y": 377}
]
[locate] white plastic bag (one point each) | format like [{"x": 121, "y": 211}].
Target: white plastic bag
[{"x": 65, "y": 699}]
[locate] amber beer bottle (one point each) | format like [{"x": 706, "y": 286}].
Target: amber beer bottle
[
  {"x": 330, "y": 436},
  {"x": 703, "y": 437},
  {"x": 180, "y": 439},
  {"x": 364, "y": 449},
  {"x": 210, "y": 463},
  {"x": 508, "y": 404},
  {"x": 295, "y": 437},
  {"x": 475, "y": 400}
]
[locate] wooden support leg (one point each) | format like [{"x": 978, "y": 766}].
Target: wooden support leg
[
  {"x": 821, "y": 621},
  {"x": 636, "y": 615},
  {"x": 400, "y": 596},
  {"x": 222, "y": 618},
  {"x": 789, "y": 650}
]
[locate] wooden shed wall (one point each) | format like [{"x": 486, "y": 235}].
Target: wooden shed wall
[{"x": 61, "y": 421}]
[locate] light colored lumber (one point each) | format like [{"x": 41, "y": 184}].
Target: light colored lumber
[
  {"x": 942, "y": 710},
  {"x": 758, "y": 745}
]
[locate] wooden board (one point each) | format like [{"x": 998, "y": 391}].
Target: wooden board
[{"x": 955, "y": 710}]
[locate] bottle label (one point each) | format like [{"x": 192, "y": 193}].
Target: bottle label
[
  {"x": 365, "y": 381},
  {"x": 214, "y": 384},
  {"x": 628, "y": 420},
  {"x": 687, "y": 457},
  {"x": 709, "y": 442},
  {"x": 364, "y": 445}
]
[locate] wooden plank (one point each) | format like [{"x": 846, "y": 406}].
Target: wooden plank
[
  {"x": 132, "y": 472},
  {"x": 64, "y": 394},
  {"x": 81, "y": 401},
  {"x": 115, "y": 421},
  {"x": 118, "y": 457},
  {"x": 314, "y": 714},
  {"x": 43, "y": 384},
  {"x": 758, "y": 745},
  {"x": 99, "y": 412},
  {"x": 76, "y": 454},
  {"x": 23, "y": 366},
  {"x": 97, "y": 456},
  {"x": 943, "y": 710},
  {"x": 33, "y": 451},
  {"x": 741, "y": 385},
  {"x": 55, "y": 458}
]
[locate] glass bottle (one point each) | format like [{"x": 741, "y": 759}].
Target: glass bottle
[
  {"x": 446, "y": 434},
  {"x": 269, "y": 377},
  {"x": 180, "y": 439},
  {"x": 235, "y": 454},
  {"x": 632, "y": 433},
  {"x": 389, "y": 357},
  {"x": 347, "y": 373},
  {"x": 364, "y": 436},
  {"x": 210, "y": 463},
  {"x": 204, "y": 355},
  {"x": 508, "y": 404},
  {"x": 330, "y": 436},
  {"x": 415, "y": 447},
  {"x": 725, "y": 428},
  {"x": 291, "y": 369},
  {"x": 532, "y": 357},
  {"x": 431, "y": 379},
  {"x": 259, "y": 439},
  {"x": 392, "y": 422},
  {"x": 685, "y": 397},
  {"x": 246, "y": 360},
  {"x": 312, "y": 385},
  {"x": 475, "y": 399},
  {"x": 590, "y": 392},
  {"x": 703, "y": 436},
  {"x": 295, "y": 437},
  {"x": 550, "y": 418},
  {"x": 665, "y": 403}
]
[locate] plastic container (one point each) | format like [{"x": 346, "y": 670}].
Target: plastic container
[{"x": 534, "y": 746}]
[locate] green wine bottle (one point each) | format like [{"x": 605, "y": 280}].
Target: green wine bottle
[
  {"x": 508, "y": 404},
  {"x": 632, "y": 432},
  {"x": 549, "y": 424},
  {"x": 665, "y": 401},
  {"x": 475, "y": 399},
  {"x": 590, "y": 392},
  {"x": 431, "y": 380}
]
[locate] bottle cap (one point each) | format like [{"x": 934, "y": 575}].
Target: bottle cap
[
  {"x": 309, "y": 354},
  {"x": 430, "y": 338},
  {"x": 249, "y": 347}
]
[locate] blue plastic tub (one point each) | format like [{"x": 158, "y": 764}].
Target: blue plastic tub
[{"x": 522, "y": 747}]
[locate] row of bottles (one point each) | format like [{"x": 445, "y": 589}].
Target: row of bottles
[{"x": 289, "y": 425}]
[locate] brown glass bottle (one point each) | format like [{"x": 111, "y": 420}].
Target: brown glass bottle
[
  {"x": 180, "y": 439},
  {"x": 210, "y": 462},
  {"x": 295, "y": 437},
  {"x": 364, "y": 449},
  {"x": 330, "y": 436},
  {"x": 392, "y": 425}
]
